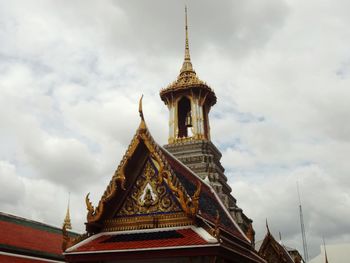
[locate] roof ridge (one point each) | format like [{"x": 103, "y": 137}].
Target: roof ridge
[{"x": 30, "y": 222}]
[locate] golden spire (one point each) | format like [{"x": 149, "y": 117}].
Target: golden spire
[
  {"x": 187, "y": 65},
  {"x": 67, "y": 224}
]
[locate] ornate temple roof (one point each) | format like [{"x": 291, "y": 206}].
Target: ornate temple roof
[
  {"x": 181, "y": 210},
  {"x": 273, "y": 251},
  {"x": 209, "y": 204}
]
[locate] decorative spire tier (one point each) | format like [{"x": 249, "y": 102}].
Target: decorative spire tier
[
  {"x": 189, "y": 100},
  {"x": 187, "y": 65}
]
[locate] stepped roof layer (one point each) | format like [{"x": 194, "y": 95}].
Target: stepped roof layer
[
  {"x": 25, "y": 240},
  {"x": 155, "y": 243},
  {"x": 151, "y": 239}
]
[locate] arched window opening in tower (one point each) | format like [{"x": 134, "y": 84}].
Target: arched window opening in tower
[{"x": 184, "y": 117}]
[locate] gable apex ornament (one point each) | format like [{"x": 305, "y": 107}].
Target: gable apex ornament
[{"x": 140, "y": 108}]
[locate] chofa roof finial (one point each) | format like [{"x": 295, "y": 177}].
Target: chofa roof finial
[
  {"x": 267, "y": 227},
  {"x": 140, "y": 108}
]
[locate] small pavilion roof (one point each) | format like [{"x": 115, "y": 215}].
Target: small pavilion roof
[{"x": 270, "y": 244}]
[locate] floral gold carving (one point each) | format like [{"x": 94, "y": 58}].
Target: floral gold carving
[
  {"x": 147, "y": 221},
  {"x": 189, "y": 204},
  {"x": 148, "y": 195},
  {"x": 216, "y": 230}
]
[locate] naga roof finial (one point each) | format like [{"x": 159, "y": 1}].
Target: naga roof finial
[
  {"x": 142, "y": 126},
  {"x": 267, "y": 227},
  {"x": 140, "y": 108}
]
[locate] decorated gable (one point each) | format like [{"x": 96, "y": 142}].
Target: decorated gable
[
  {"x": 144, "y": 192},
  {"x": 149, "y": 204},
  {"x": 149, "y": 195}
]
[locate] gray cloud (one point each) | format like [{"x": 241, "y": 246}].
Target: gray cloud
[{"x": 72, "y": 74}]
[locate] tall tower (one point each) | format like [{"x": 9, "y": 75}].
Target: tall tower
[{"x": 189, "y": 101}]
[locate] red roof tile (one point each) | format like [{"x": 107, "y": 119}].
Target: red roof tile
[
  {"x": 27, "y": 237},
  {"x": 30, "y": 238},
  {"x": 188, "y": 237},
  {"x": 10, "y": 259}
]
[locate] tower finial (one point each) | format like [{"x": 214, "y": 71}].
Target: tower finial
[
  {"x": 67, "y": 224},
  {"x": 187, "y": 48},
  {"x": 187, "y": 65}
]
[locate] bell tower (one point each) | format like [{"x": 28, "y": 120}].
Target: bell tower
[{"x": 189, "y": 101}]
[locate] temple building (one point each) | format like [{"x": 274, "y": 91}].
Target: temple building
[
  {"x": 171, "y": 203},
  {"x": 276, "y": 252}
]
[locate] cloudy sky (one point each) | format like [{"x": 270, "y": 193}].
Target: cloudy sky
[{"x": 71, "y": 74}]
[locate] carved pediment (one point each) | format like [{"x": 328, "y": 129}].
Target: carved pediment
[
  {"x": 144, "y": 192},
  {"x": 149, "y": 204},
  {"x": 149, "y": 195}
]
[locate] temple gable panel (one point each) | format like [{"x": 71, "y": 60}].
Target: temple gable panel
[
  {"x": 149, "y": 204},
  {"x": 148, "y": 195}
]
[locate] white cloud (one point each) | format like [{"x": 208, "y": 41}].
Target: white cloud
[
  {"x": 13, "y": 186},
  {"x": 72, "y": 74}
]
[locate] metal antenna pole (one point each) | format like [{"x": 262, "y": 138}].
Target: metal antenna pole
[
  {"x": 325, "y": 251},
  {"x": 303, "y": 235}
]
